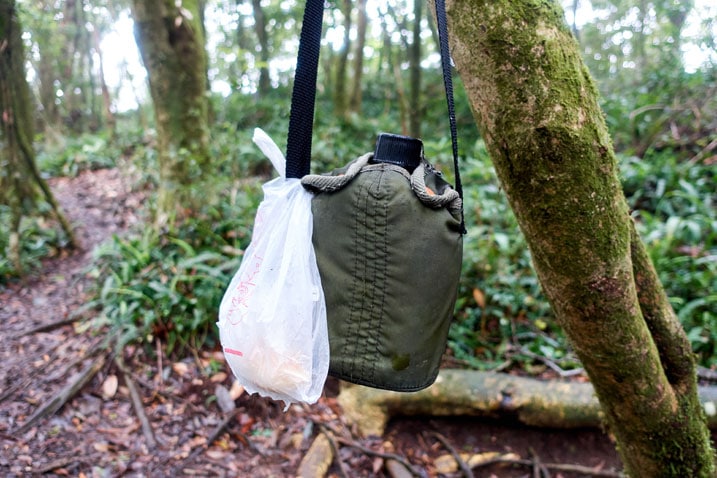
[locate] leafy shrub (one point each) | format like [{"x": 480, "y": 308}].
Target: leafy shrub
[
  {"x": 39, "y": 237},
  {"x": 500, "y": 306},
  {"x": 169, "y": 284},
  {"x": 73, "y": 155},
  {"x": 675, "y": 206}
]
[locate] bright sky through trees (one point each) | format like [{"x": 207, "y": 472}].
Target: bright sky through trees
[{"x": 126, "y": 75}]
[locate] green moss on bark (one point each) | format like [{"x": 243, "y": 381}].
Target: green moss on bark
[
  {"x": 537, "y": 110},
  {"x": 172, "y": 45},
  {"x": 20, "y": 180}
]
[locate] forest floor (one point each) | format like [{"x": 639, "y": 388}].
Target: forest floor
[{"x": 68, "y": 407}]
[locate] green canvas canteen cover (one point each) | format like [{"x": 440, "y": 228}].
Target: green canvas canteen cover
[
  {"x": 387, "y": 234},
  {"x": 388, "y": 243}
]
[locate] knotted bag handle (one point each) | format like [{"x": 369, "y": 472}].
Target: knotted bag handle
[{"x": 303, "y": 96}]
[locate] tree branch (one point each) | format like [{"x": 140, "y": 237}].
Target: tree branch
[
  {"x": 672, "y": 344},
  {"x": 63, "y": 396},
  {"x": 467, "y": 472},
  {"x": 137, "y": 405}
]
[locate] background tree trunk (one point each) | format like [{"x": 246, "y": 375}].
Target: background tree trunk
[
  {"x": 50, "y": 65},
  {"x": 263, "y": 37},
  {"x": 356, "y": 90},
  {"x": 415, "y": 68},
  {"x": 19, "y": 176},
  {"x": 48, "y": 92},
  {"x": 172, "y": 47},
  {"x": 109, "y": 116},
  {"x": 536, "y": 107},
  {"x": 340, "y": 95},
  {"x": 91, "y": 108}
]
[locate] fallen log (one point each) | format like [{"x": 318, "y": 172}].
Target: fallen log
[{"x": 533, "y": 402}]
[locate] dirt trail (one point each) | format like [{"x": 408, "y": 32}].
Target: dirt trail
[{"x": 178, "y": 423}]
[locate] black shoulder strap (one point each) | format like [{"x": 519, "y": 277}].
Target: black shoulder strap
[
  {"x": 442, "y": 23},
  {"x": 303, "y": 97}
]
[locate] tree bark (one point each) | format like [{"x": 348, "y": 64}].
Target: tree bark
[
  {"x": 20, "y": 179},
  {"x": 415, "y": 68},
  {"x": 91, "y": 111},
  {"x": 340, "y": 94},
  {"x": 110, "y": 121},
  {"x": 536, "y": 107},
  {"x": 356, "y": 90},
  {"x": 532, "y": 402},
  {"x": 263, "y": 37},
  {"x": 46, "y": 76},
  {"x": 172, "y": 47}
]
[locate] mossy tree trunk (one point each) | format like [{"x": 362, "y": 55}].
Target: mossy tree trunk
[
  {"x": 170, "y": 39},
  {"x": 537, "y": 110},
  {"x": 20, "y": 181}
]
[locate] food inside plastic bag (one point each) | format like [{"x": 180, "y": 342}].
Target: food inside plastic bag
[{"x": 272, "y": 319}]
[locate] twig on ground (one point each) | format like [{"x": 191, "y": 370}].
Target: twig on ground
[
  {"x": 467, "y": 472},
  {"x": 539, "y": 470},
  {"x": 220, "y": 428},
  {"x": 707, "y": 374},
  {"x": 63, "y": 396},
  {"x": 137, "y": 404},
  {"x": 332, "y": 429},
  {"x": 63, "y": 462},
  {"x": 72, "y": 317},
  {"x": 22, "y": 384},
  {"x": 585, "y": 470},
  {"x": 211, "y": 438},
  {"x": 33, "y": 375},
  {"x": 579, "y": 469},
  {"x": 707, "y": 149},
  {"x": 391, "y": 456},
  {"x": 5, "y": 436},
  {"x": 91, "y": 351},
  {"x": 396, "y": 469},
  {"x": 549, "y": 363},
  {"x": 47, "y": 327},
  {"x": 335, "y": 447},
  {"x": 160, "y": 368},
  {"x": 166, "y": 394}
]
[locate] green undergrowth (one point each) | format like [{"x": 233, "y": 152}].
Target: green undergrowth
[
  {"x": 675, "y": 207},
  {"x": 40, "y": 237},
  {"x": 68, "y": 156},
  {"x": 503, "y": 318},
  {"x": 167, "y": 285}
]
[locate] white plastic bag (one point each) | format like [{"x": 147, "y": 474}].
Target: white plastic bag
[{"x": 272, "y": 319}]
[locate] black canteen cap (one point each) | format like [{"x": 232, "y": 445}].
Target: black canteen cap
[{"x": 399, "y": 150}]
